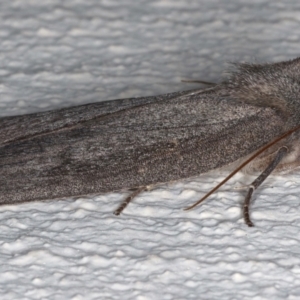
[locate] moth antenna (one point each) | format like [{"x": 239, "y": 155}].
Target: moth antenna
[
  {"x": 198, "y": 81},
  {"x": 243, "y": 165}
]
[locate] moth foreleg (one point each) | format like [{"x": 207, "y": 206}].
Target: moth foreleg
[
  {"x": 259, "y": 180},
  {"x": 128, "y": 199}
]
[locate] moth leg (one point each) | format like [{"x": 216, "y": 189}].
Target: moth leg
[
  {"x": 128, "y": 199},
  {"x": 259, "y": 180}
]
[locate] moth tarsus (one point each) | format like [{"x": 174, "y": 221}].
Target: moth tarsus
[
  {"x": 128, "y": 199},
  {"x": 259, "y": 180},
  {"x": 246, "y": 207}
]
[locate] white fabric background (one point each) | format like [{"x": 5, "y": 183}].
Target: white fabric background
[{"x": 61, "y": 53}]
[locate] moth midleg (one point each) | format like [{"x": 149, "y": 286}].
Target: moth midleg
[
  {"x": 129, "y": 198},
  {"x": 259, "y": 180}
]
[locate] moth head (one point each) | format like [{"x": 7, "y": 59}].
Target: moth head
[{"x": 268, "y": 85}]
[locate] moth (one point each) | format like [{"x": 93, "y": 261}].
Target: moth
[{"x": 130, "y": 144}]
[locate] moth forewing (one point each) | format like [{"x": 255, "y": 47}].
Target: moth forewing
[{"x": 137, "y": 142}]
